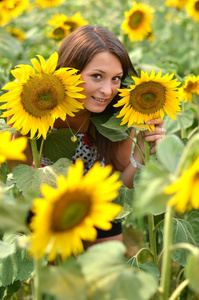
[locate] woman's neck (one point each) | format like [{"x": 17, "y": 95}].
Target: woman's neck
[{"x": 80, "y": 120}]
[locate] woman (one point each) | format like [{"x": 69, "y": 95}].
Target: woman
[{"x": 103, "y": 63}]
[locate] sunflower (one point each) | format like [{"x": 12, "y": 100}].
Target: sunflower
[
  {"x": 189, "y": 87},
  {"x": 59, "y": 32},
  {"x": 185, "y": 189},
  {"x": 16, "y": 33},
  {"x": 11, "y": 149},
  {"x": 48, "y": 3},
  {"x": 149, "y": 98},
  {"x": 193, "y": 9},
  {"x": 11, "y": 9},
  {"x": 62, "y": 20},
  {"x": 137, "y": 21},
  {"x": 70, "y": 213},
  {"x": 40, "y": 95},
  {"x": 177, "y": 3}
]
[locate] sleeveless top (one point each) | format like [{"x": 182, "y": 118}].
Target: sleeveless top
[{"x": 87, "y": 151}]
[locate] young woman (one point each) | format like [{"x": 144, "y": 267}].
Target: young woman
[{"x": 103, "y": 63}]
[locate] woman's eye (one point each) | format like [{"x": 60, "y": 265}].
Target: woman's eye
[
  {"x": 97, "y": 76},
  {"x": 117, "y": 78}
]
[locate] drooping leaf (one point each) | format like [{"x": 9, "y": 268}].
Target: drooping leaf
[
  {"x": 111, "y": 134},
  {"x": 125, "y": 199},
  {"x": 65, "y": 281},
  {"x": 110, "y": 277},
  {"x": 184, "y": 121}
]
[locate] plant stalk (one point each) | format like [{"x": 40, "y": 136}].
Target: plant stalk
[
  {"x": 166, "y": 260},
  {"x": 35, "y": 153}
]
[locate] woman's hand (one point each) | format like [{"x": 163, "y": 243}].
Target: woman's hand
[{"x": 152, "y": 137}]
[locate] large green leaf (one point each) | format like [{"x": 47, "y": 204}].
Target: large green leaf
[
  {"x": 111, "y": 134},
  {"x": 16, "y": 266},
  {"x": 183, "y": 232},
  {"x": 110, "y": 277},
  {"x": 184, "y": 120},
  {"x": 169, "y": 152},
  {"x": 192, "y": 271},
  {"x": 149, "y": 196},
  {"x": 65, "y": 281},
  {"x": 28, "y": 179},
  {"x": 58, "y": 145},
  {"x": 114, "y": 123}
]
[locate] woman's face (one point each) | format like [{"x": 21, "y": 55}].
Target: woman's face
[{"x": 102, "y": 76}]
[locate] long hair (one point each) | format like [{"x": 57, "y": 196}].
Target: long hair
[{"x": 77, "y": 50}]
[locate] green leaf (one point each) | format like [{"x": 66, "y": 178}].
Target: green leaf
[
  {"x": 16, "y": 266},
  {"x": 13, "y": 213},
  {"x": 125, "y": 199},
  {"x": 58, "y": 145},
  {"x": 28, "y": 179},
  {"x": 111, "y": 134},
  {"x": 65, "y": 281},
  {"x": 4, "y": 171},
  {"x": 147, "y": 267},
  {"x": 184, "y": 121},
  {"x": 10, "y": 47},
  {"x": 169, "y": 152},
  {"x": 5, "y": 127},
  {"x": 149, "y": 195},
  {"x": 6, "y": 249},
  {"x": 193, "y": 220},
  {"x": 110, "y": 277},
  {"x": 114, "y": 123},
  {"x": 183, "y": 232},
  {"x": 192, "y": 271}
]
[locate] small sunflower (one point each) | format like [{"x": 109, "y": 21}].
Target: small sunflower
[
  {"x": 177, "y": 3},
  {"x": 70, "y": 213},
  {"x": 11, "y": 149},
  {"x": 185, "y": 189},
  {"x": 48, "y": 3},
  {"x": 59, "y": 32},
  {"x": 16, "y": 33},
  {"x": 11, "y": 9},
  {"x": 41, "y": 94},
  {"x": 189, "y": 87},
  {"x": 138, "y": 21},
  {"x": 62, "y": 20},
  {"x": 149, "y": 98},
  {"x": 193, "y": 9}
]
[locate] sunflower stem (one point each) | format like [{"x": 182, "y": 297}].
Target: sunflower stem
[
  {"x": 166, "y": 260},
  {"x": 183, "y": 131},
  {"x": 152, "y": 238},
  {"x": 41, "y": 149},
  {"x": 35, "y": 153},
  {"x": 147, "y": 152},
  {"x": 37, "y": 291}
]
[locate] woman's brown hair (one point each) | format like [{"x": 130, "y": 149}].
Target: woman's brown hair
[{"x": 77, "y": 50}]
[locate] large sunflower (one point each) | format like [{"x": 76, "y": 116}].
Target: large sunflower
[
  {"x": 177, "y": 3},
  {"x": 137, "y": 21},
  {"x": 11, "y": 149},
  {"x": 40, "y": 95},
  {"x": 189, "y": 87},
  {"x": 193, "y": 9},
  {"x": 11, "y": 9},
  {"x": 185, "y": 189},
  {"x": 70, "y": 213},
  {"x": 149, "y": 98}
]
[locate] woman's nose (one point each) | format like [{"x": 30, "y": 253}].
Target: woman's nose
[{"x": 106, "y": 88}]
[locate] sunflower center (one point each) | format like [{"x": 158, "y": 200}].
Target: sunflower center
[
  {"x": 72, "y": 25},
  {"x": 59, "y": 31},
  {"x": 148, "y": 97},
  {"x": 70, "y": 210},
  {"x": 41, "y": 94},
  {"x": 197, "y": 6},
  {"x": 190, "y": 86},
  {"x": 135, "y": 19}
]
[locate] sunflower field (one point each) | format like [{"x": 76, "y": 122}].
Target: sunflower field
[{"x": 42, "y": 256}]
